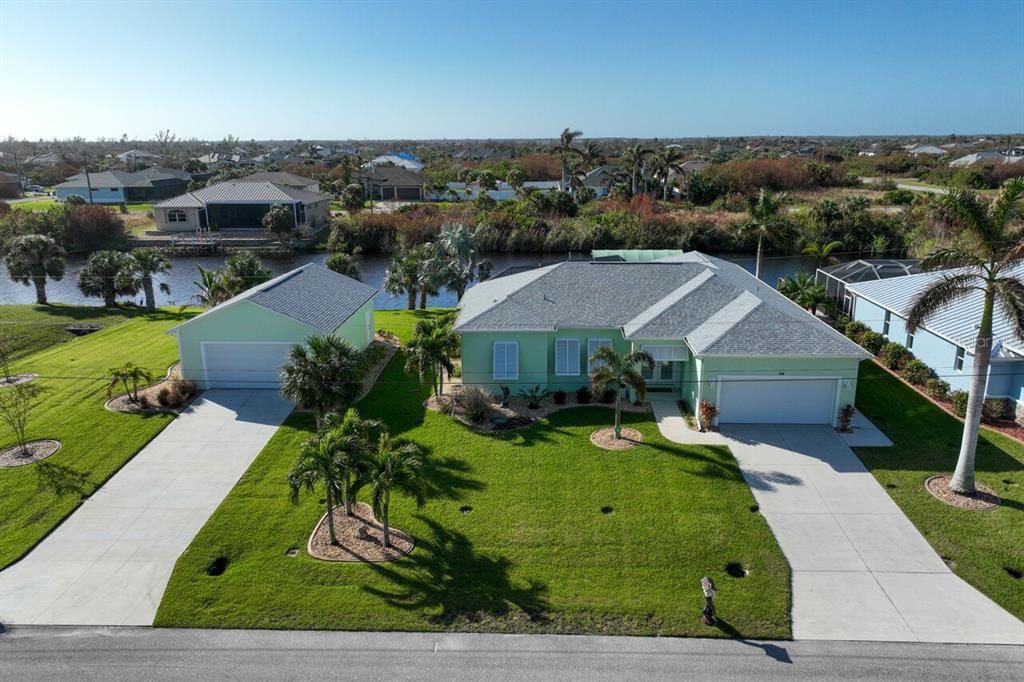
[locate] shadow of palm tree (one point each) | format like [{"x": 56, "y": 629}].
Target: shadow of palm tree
[
  {"x": 447, "y": 478},
  {"x": 447, "y": 574},
  {"x": 773, "y": 651},
  {"x": 61, "y": 480}
]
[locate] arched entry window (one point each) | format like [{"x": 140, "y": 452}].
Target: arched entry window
[{"x": 176, "y": 216}]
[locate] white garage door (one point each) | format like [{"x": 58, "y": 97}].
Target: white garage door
[
  {"x": 244, "y": 365},
  {"x": 776, "y": 401}
]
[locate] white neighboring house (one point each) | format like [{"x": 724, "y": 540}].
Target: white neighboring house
[
  {"x": 1014, "y": 155},
  {"x": 926, "y": 150},
  {"x": 395, "y": 160},
  {"x": 239, "y": 204},
  {"x": 461, "y": 191},
  {"x": 138, "y": 156}
]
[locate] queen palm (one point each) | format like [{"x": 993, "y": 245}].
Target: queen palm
[
  {"x": 764, "y": 221},
  {"x": 822, "y": 253},
  {"x": 988, "y": 251},
  {"x": 457, "y": 258},
  {"x": 566, "y": 152},
  {"x": 394, "y": 467},
  {"x": 32, "y": 258},
  {"x": 317, "y": 466},
  {"x": 403, "y": 276},
  {"x": 618, "y": 372},
  {"x": 635, "y": 159},
  {"x": 144, "y": 266},
  {"x": 430, "y": 352},
  {"x": 667, "y": 161},
  {"x": 348, "y": 439},
  {"x": 591, "y": 156},
  {"x": 322, "y": 375}
]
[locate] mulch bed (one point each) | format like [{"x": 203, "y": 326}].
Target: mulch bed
[
  {"x": 605, "y": 438},
  {"x": 148, "y": 396},
  {"x": 984, "y": 500},
  {"x": 352, "y": 547},
  {"x": 37, "y": 450},
  {"x": 16, "y": 379}
]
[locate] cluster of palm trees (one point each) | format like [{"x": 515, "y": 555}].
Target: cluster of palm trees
[
  {"x": 431, "y": 351},
  {"x": 646, "y": 169},
  {"x": 240, "y": 271},
  {"x": 452, "y": 261}
]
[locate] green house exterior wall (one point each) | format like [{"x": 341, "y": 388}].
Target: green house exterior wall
[{"x": 356, "y": 329}]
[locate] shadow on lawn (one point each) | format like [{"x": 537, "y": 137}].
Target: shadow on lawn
[
  {"x": 446, "y": 478},
  {"x": 61, "y": 480},
  {"x": 447, "y": 574}
]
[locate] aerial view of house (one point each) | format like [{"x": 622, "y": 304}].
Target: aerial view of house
[
  {"x": 392, "y": 182},
  {"x": 239, "y": 204},
  {"x": 119, "y": 187}
]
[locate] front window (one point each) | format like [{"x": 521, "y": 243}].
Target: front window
[
  {"x": 592, "y": 346},
  {"x": 567, "y": 357},
  {"x": 506, "y": 360},
  {"x": 176, "y": 216}
]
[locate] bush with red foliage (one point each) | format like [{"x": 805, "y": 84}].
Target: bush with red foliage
[
  {"x": 541, "y": 166},
  {"x": 777, "y": 175},
  {"x": 5, "y": 208},
  {"x": 91, "y": 227}
]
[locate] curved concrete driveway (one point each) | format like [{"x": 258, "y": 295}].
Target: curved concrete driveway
[{"x": 109, "y": 562}]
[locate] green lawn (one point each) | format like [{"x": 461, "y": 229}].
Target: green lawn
[
  {"x": 535, "y": 554},
  {"x": 140, "y": 208},
  {"x": 69, "y": 408},
  {"x": 35, "y": 205},
  {"x": 33, "y": 328},
  {"x": 980, "y": 545}
]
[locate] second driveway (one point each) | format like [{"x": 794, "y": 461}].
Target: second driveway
[{"x": 109, "y": 562}]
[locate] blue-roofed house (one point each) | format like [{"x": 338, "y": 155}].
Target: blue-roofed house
[
  {"x": 242, "y": 343},
  {"x": 946, "y": 341}
]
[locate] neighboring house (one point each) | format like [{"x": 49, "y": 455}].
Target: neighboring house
[
  {"x": 44, "y": 159},
  {"x": 715, "y": 331},
  {"x": 243, "y": 342},
  {"x": 1015, "y": 155},
  {"x": 10, "y": 185},
  {"x": 215, "y": 160},
  {"x": 926, "y": 150},
  {"x": 239, "y": 204},
  {"x": 122, "y": 187},
  {"x": 391, "y": 183},
  {"x": 399, "y": 160},
  {"x": 275, "y": 155},
  {"x": 282, "y": 178},
  {"x": 460, "y": 191},
  {"x": 946, "y": 341},
  {"x": 835, "y": 278},
  {"x": 138, "y": 156},
  {"x": 694, "y": 166},
  {"x": 600, "y": 178}
]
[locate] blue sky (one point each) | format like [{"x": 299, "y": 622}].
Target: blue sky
[{"x": 333, "y": 70}]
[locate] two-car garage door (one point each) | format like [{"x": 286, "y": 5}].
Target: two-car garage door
[
  {"x": 244, "y": 365},
  {"x": 776, "y": 401}
]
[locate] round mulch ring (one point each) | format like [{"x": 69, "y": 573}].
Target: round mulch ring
[
  {"x": 985, "y": 499},
  {"x": 605, "y": 438},
  {"x": 37, "y": 450},
  {"x": 16, "y": 379},
  {"x": 359, "y": 538}
]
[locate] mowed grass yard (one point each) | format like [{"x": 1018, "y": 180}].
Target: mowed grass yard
[
  {"x": 72, "y": 389},
  {"x": 980, "y": 545},
  {"x": 534, "y": 554},
  {"x": 32, "y": 328}
]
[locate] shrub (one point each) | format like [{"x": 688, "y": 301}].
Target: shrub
[
  {"x": 476, "y": 403},
  {"x": 583, "y": 395},
  {"x": 895, "y": 355},
  {"x": 872, "y": 342},
  {"x": 708, "y": 412},
  {"x": 608, "y": 396},
  {"x": 534, "y": 396},
  {"x": 959, "y": 400},
  {"x": 92, "y": 227},
  {"x": 559, "y": 397},
  {"x": 916, "y": 372},
  {"x": 846, "y": 419},
  {"x": 855, "y": 329},
  {"x": 937, "y": 388},
  {"x": 163, "y": 396},
  {"x": 898, "y": 197}
]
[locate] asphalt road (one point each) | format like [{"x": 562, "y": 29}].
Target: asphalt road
[{"x": 38, "y": 653}]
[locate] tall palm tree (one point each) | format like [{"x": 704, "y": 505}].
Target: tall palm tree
[
  {"x": 987, "y": 252},
  {"x": 430, "y": 352},
  {"x": 322, "y": 375},
  {"x": 394, "y": 467},
  {"x": 316, "y": 466},
  {"x": 130, "y": 376},
  {"x": 403, "y": 276},
  {"x": 32, "y": 258},
  {"x": 667, "y": 161},
  {"x": 211, "y": 287},
  {"x": 458, "y": 259},
  {"x": 566, "y": 151},
  {"x": 348, "y": 439},
  {"x": 243, "y": 271},
  {"x": 764, "y": 223},
  {"x": 618, "y": 372},
  {"x": 635, "y": 160},
  {"x": 107, "y": 275},
  {"x": 822, "y": 253},
  {"x": 144, "y": 266},
  {"x": 591, "y": 156}
]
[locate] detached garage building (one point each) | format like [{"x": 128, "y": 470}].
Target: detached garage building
[{"x": 242, "y": 343}]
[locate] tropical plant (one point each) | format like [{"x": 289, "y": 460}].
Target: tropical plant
[
  {"x": 960, "y": 401},
  {"x": 516, "y": 178},
  {"x": 917, "y": 372},
  {"x": 403, "y": 276},
  {"x": 616, "y": 372},
  {"x": 322, "y": 375},
  {"x": 347, "y": 437},
  {"x": 15, "y": 411},
  {"x": 344, "y": 264},
  {"x": 107, "y": 275},
  {"x": 566, "y": 152},
  {"x": 987, "y": 249},
  {"x": 895, "y": 355},
  {"x": 279, "y": 220},
  {"x": 394, "y": 467},
  {"x": 430, "y": 352},
  {"x": 764, "y": 222},
  {"x": 534, "y": 396},
  {"x": 937, "y": 388},
  {"x": 591, "y": 155},
  {"x": 130, "y": 376},
  {"x": 32, "y": 258},
  {"x": 707, "y": 413},
  {"x": 872, "y": 342},
  {"x": 846, "y": 414},
  {"x": 802, "y": 290},
  {"x": 635, "y": 159},
  {"x": 144, "y": 265},
  {"x": 212, "y": 290},
  {"x": 822, "y": 253},
  {"x": 317, "y": 466},
  {"x": 476, "y": 403},
  {"x": 243, "y": 271},
  {"x": 666, "y": 162},
  {"x": 584, "y": 395},
  {"x": 457, "y": 259}
]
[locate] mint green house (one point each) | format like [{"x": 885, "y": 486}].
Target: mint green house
[
  {"x": 716, "y": 333},
  {"x": 242, "y": 343}
]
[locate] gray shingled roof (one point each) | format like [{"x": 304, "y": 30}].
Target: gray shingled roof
[
  {"x": 279, "y": 178},
  {"x": 242, "y": 192},
  {"x": 716, "y": 306},
  {"x": 117, "y": 178}
]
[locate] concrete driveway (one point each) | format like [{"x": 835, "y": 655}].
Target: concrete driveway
[
  {"x": 861, "y": 570},
  {"x": 109, "y": 562}
]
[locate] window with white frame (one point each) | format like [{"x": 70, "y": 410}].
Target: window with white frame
[
  {"x": 506, "y": 360},
  {"x": 665, "y": 353},
  {"x": 910, "y": 340},
  {"x": 958, "y": 361},
  {"x": 885, "y": 324},
  {"x": 592, "y": 346},
  {"x": 176, "y": 216},
  {"x": 567, "y": 357}
]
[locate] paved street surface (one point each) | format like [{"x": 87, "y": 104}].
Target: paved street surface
[
  {"x": 33, "y": 653},
  {"x": 109, "y": 562}
]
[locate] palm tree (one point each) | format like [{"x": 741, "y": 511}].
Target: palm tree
[
  {"x": 130, "y": 376},
  {"x": 430, "y": 352},
  {"x": 394, "y": 467},
  {"x": 317, "y": 466},
  {"x": 457, "y": 258},
  {"x": 107, "y": 275},
  {"x": 145, "y": 264},
  {"x": 348, "y": 439},
  {"x": 591, "y": 156},
  {"x": 764, "y": 223},
  {"x": 803, "y": 290},
  {"x": 635, "y": 160},
  {"x": 344, "y": 264},
  {"x": 666, "y": 161},
  {"x": 211, "y": 287},
  {"x": 826, "y": 214},
  {"x": 566, "y": 151},
  {"x": 322, "y": 375},
  {"x": 990, "y": 244},
  {"x": 403, "y": 276},
  {"x": 619, "y": 371},
  {"x": 243, "y": 271},
  {"x": 822, "y": 254},
  {"x": 32, "y": 258}
]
